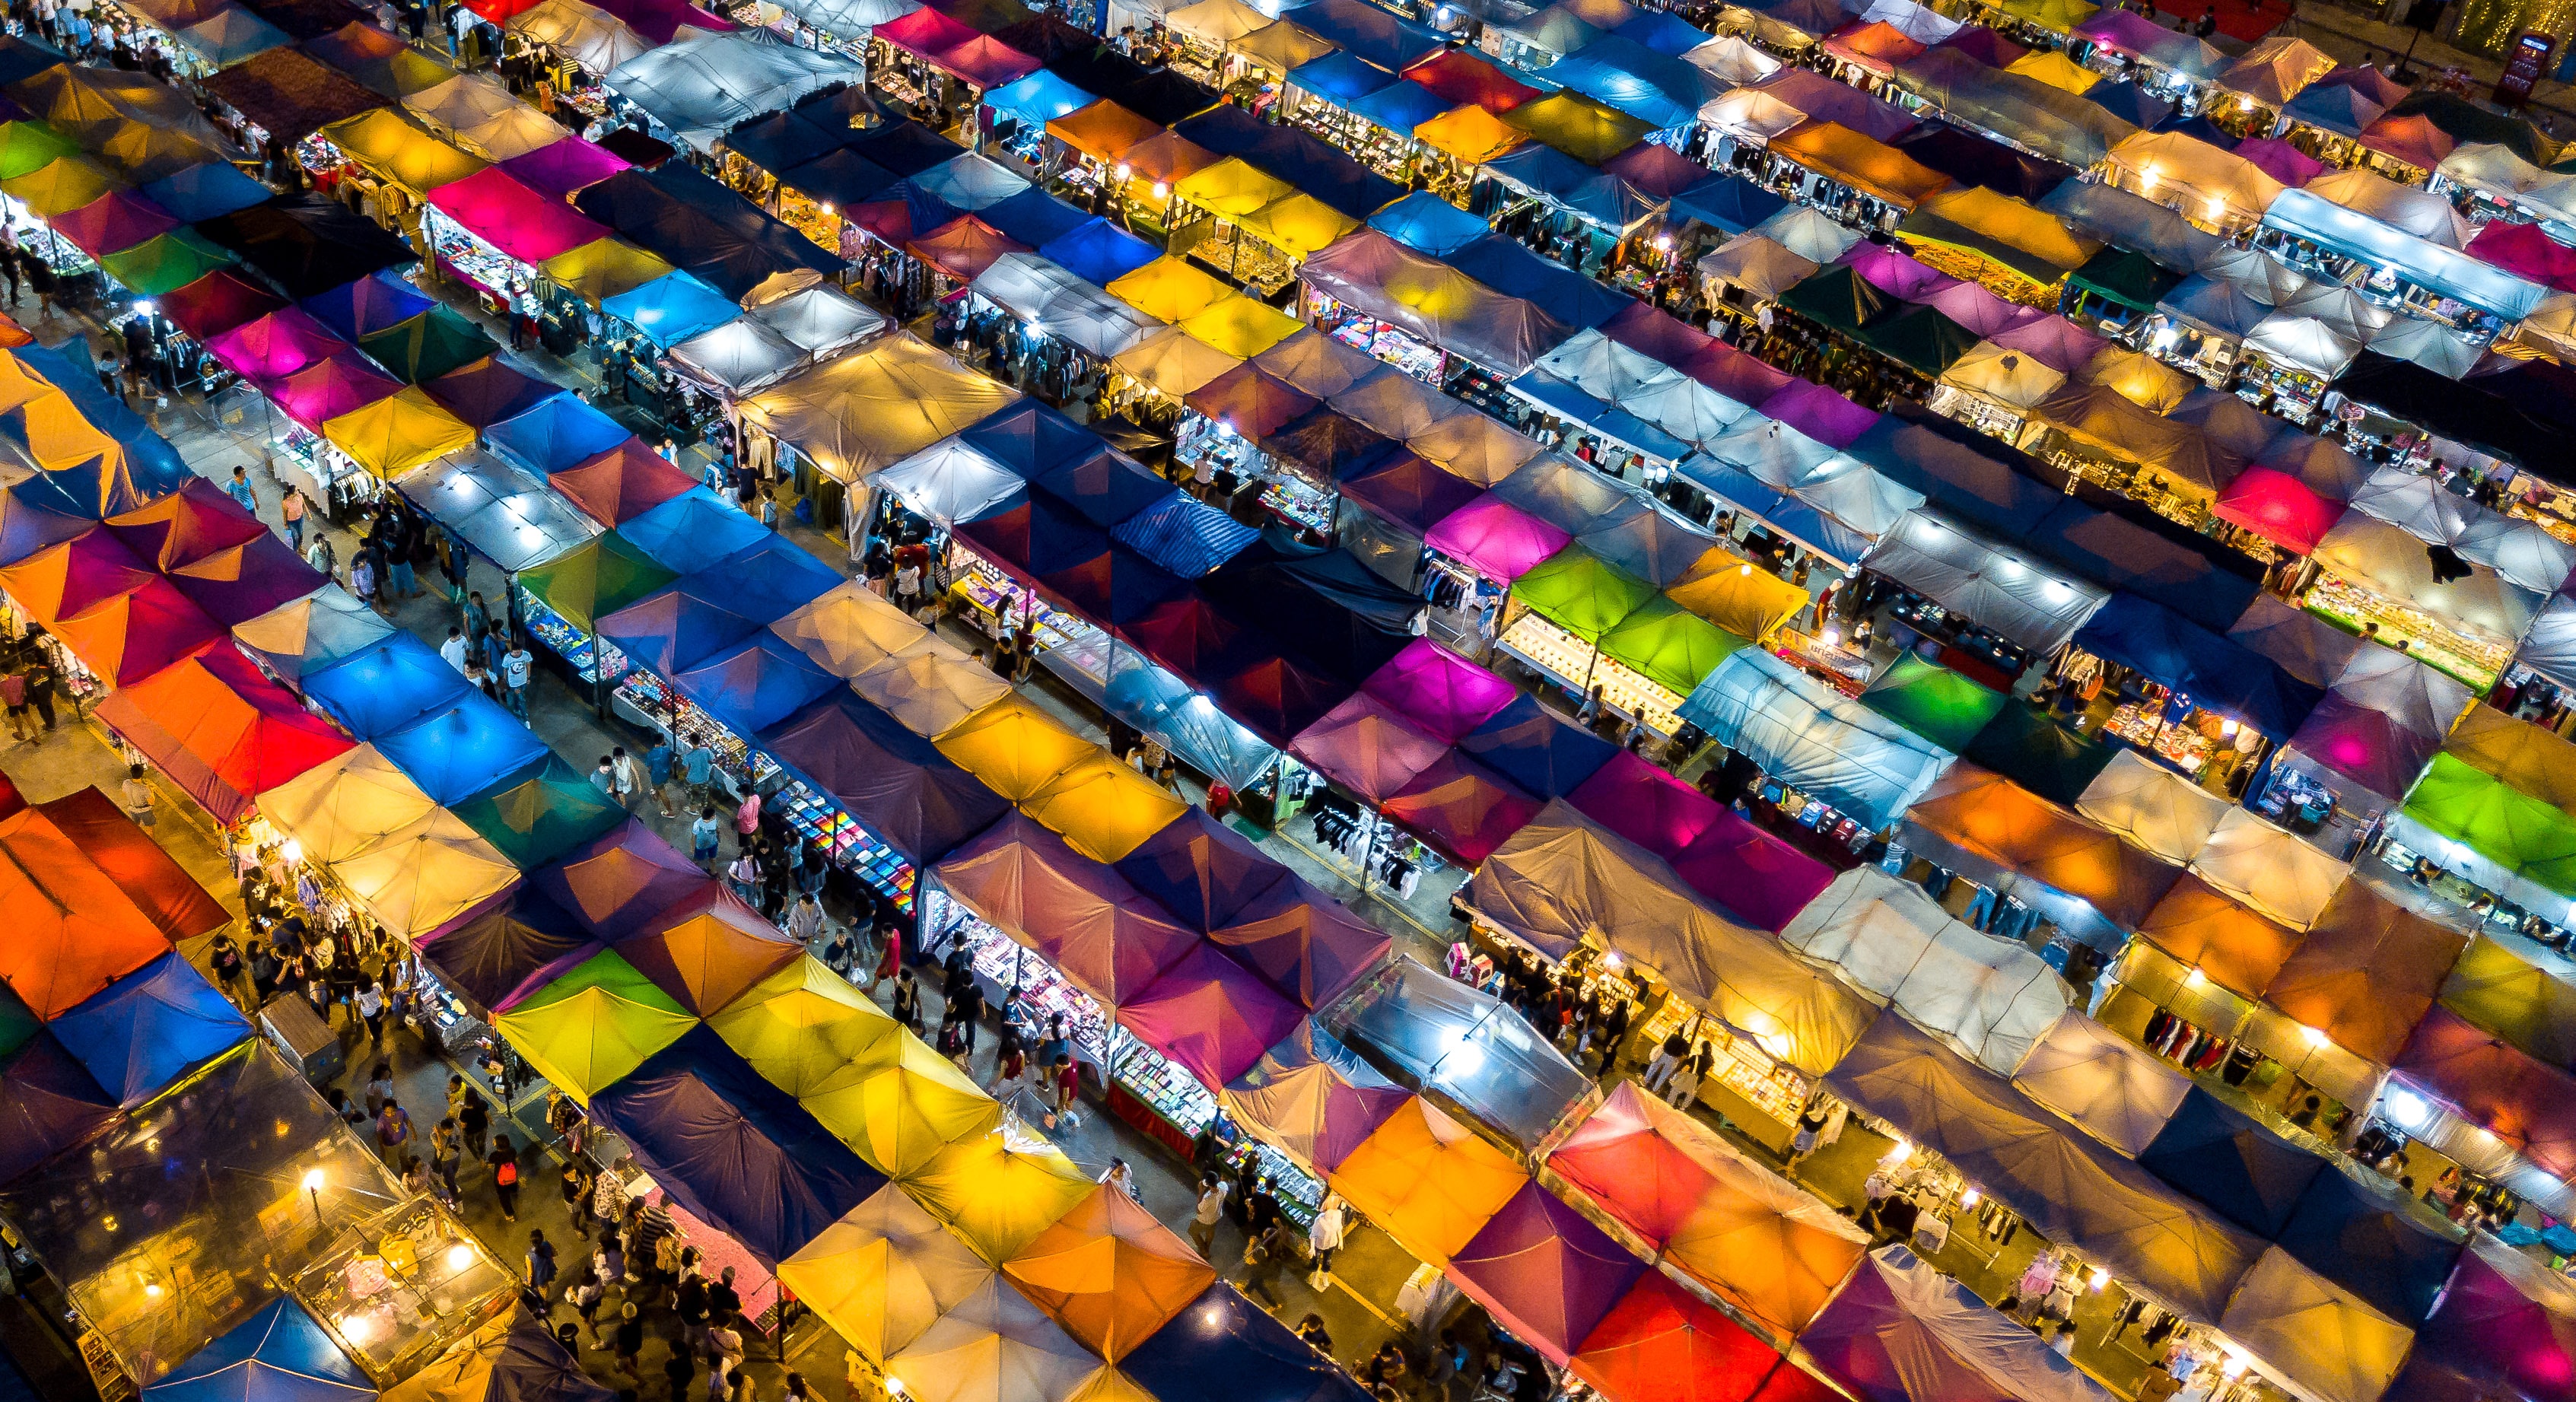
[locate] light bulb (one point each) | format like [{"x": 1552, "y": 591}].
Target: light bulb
[{"x": 312, "y": 1180}]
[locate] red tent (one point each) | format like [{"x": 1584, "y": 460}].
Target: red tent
[
  {"x": 1462, "y": 77},
  {"x": 1275, "y": 698},
  {"x": 221, "y": 730},
  {"x": 2278, "y": 507},
  {"x": 923, "y": 33},
  {"x": 1462, "y": 808},
  {"x": 985, "y": 62},
  {"x": 2524, "y": 251},
  {"x": 113, "y": 223},
  {"x": 2528, "y": 1104},
  {"x": 620, "y": 484},
  {"x": 184, "y": 527},
  {"x": 342, "y": 383},
  {"x": 1664, "y": 1344},
  {"x": 218, "y": 302},
  {"x": 78, "y": 574},
  {"x": 134, "y": 635},
  {"x": 965, "y": 246}
]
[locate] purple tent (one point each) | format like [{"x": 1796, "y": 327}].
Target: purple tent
[
  {"x": 507, "y": 953},
  {"x": 615, "y": 884},
  {"x": 1646, "y": 805},
  {"x": 1893, "y": 271},
  {"x": 1547, "y": 1274},
  {"x": 1820, "y": 413},
  {"x": 895, "y": 782},
  {"x": 241, "y": 582},
  {"x": 1316, "y": 1098},
  {"x": 1750, "y": 873},
  {"x": 1532, "y": 748},
  {"x": 1495, "y": 538},
  {"x": 1302, "y": 940},
  {"x": 1438, "y": 690},
  {"x": 1901, "y": 1332},
  {"x": 1099, "y": 932},
  {"x": 1411, "y": 491},
  {"x": 1465, "y": 809},
  {"x": 1210, "y": 1015},
  {"x": 561, "y": 168},
  {"x": 1201, "y": 870},
  {"x": 49, "y": 1103},
  {"x": 1368, "y": 747}
]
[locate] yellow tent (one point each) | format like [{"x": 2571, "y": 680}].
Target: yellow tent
[
  {"x": 1428, "y": 1180},
  {"x": 1232, "y": 188},
  {"x": 1297, "y": 225},
  {"x": 1109, "y": 1272},
  {"x": 2209, "y": 186},
  {"x": 805, "y": 1028},
  {"x": 1169, "y": 288},
  {"x": 62, "y": 186},
  {"x": 1103, "y": 808},
  {"x": 2055, "y": 69},
  {"x": 2141, "y": 379},
  {"x": 464, "y": 1372},
  {"x": 1015, "y": 748},
  {"x": 1580, "y": 127},
  {"x": 385, "y": 142},
  {"x": 589, "y": 1028},
  {"x": 1242, "y": 327},
  {"x": 998, "y": 1191},
  {"x": 875, "y": 407},
  {"x": 344, "y": 806},
  {"x": 426, "y": 875},
  {"x": 1173, "y": 361},
  {"x": 398, "y": 433},
  {"x": 994, "y": 1346},
  {"x": 902, "y": 1105},
  {"x": 1737, "y": 595},
  {"x": 1469, "y": 133},
  {"x": 2053, "y": 246},
  {"x": 884, "y": 1273},
  {"x": 2007, "y": 376},
  {"x": 603, "y": 268},
  {"x": 848, "y": 629}
]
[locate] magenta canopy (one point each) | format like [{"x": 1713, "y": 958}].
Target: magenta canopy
[
  {"x": 1368, "y": 747},
  {"x": 2280, "y": 160},
  {"x": 2526, "y": 252},
  {"x": 1304, "y": 942},
  {"x": 621, "y": 881},
  {"x": 1438, "y": 690},
  {"x": 1893, "y": 271},
  {"x": 1210, "y": 1015},
  {"x": 523, "y": 223},
  {"x": 2053, "y": 341},
  {"x": 275, "y": 346},
  {"x": 1547, "y": 1274},
  {"x": 1462, "y": 808},
  {"x": 1645, "y": 805},
  {"x": 1495, "y": 538},
  {"x": 562, "y": 167},
  {"x": 113, "y": 223},
  {"x": 1316, "y": 1097},
  {"x": 2491, "y": 1326},
  {"x": 1820, "y": 413},
  {"x": 1105, "y": 937},
  {"x": 2366, "y": 745},
  {"x": 1735, "y": 374},
  {"x": 1979, "y": 310},
  {"x": 1751, "y": 874},
  {"x": 340, "y": 383}
]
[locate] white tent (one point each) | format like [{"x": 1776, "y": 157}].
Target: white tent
[
  {"x": 820, "y": 320},
  {"x": 738, "y": 357},
  {"x": 849, "y": 630},
  {"x": 2254, "y": 272},
  {"x": 2002, "y": 590},
  {"x": 1394, "y": 403},
  {"x": 1989, "y": 998},
  {"x": 874, "y": 407},
  {"x": 2319, "y": 1340},
  {"x": 2303, "y": 343},
  {"x": 1749, "y": 114},
  {"x": 2392, "y": 561},
  {"x": 2520, "y": 551},
  {"x": 1852, "y": 492},
  {"x": 1901, "y": 1319},
  {"x": 2343, "y": 310},
  {"x": 699, "y": 88},
  {"x": 2109, "y": 1086},
  {"x": 2419, "y": 212},
  {"x": 850, "y": 19},
  {"x": 1732, "y": 60},
  {"x": 2430, "y": 344},
  {"x": 2269, "y": 868},
  {"x": 1910, "y": 19},
  {"x": 2495, "y": 171},
  {"x": 950, "y": 481},
  {"x": 1770, "y": 452},
  {"x": 462, "y": 103},
  {"x": 970, "y": 182},
  {"x": 2412, "y": 695},
  {"x": 1603, "y": 368},
  {"x": 2550, "y": 647},
  {"x": 510, "y": 516},
  {"x": 1173, "y": 361},
  {"x": 2152, "y": 806},
  {"x": 1761, "y": 266},
  {"x": 1808, "y": 232},
  {"x": 1813, "y": 738},
  {"x": 1057, "y": 303},
  {"x": 1685, "y": 408},
  {"x": 2014, "y": 379}
]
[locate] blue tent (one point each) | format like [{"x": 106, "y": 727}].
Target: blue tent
[
  {"x": 277, "y": 1355},
  {"x": 692, "y": 531},
  {"x": 34, "y": 515},
  {"x": 555, "y": 435},
  {"x": 766, "y": 580},
  {"x": 151, "y": 470},
  {"x": 2365, "y": 1240},
  {"x": 1317, "y": 168},
  {"x": 1503, "y": 264},
  {"x": 1595, "y": 194},
  {"x": 2230, "y": 1163},
  {"x": 1400, "y": 107},
  {"x": 1662, "y": 32},
  {"x": 1562, "y": 398},
  {"x": 1340, "y": 75},
  {"x": 376, "y": 302},
  {"x": 1029, "y": 438},
  {"x": 1626, "y": 76},
  {"x": 756, "y": 684},
  {"x": 672, "y": 308},
  {"x": 1226, "y": 129},
  {"x": 462, "y": 750},
  {"x": 2223, "y": 307},
  {"x": 906, "y": 147},
  {"x": 21, "y": 59},
  {"x": 897, "y": 783},
  {"x": 1221, "y": 1344},
  {"x": 49, "y": 1102},
  {"x": 842, "y": 177},
  {"x": 1105, "y": 487},
  {"x": 1038, "y": 98},
  {"x": 1729, "y": 203},
  {"x": 1524, "y": 743},
  {"x": 1099, "y": 252},
  {"x": 2214, "y": 672},
  {"x": 1184, "y": 535},
  {"x": 1366, "y": 30},
  {"x": 1032, "y": 217},
  {"x": 676, "y": 629},
  {"x": 386, "y": 687},
  {"x": 735, "y": 1151},
  {"x": 1202, "y": 871},
  {"x": 2130, "y": 103},
  {"x": 1426, "y": 223},
  {"x": 149, "y": 1028},
  {"x": 207, "y": 191},
  {"x": 2339, "y": 109}
]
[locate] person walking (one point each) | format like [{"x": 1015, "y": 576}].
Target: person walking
[
  {"x": 371, "y": 1011},
  {"x": 504, "y": 1159},
  {"x": 628, "y": 1342},
  {"x": 475, "y": 1118},
  {"x": 293, "y": 507},
  {"x": 445, "y": 1155},
  {"x": 515, "y": 666},
  {"x": 706, "y": 836},
  {"x": 380, "y": 1088},
  {"x": 629, "y": 776},
  {"x": 13, "y": 691},
  {"x": 225, "y": 958},
  {"x": 239, "y": 489},
  {"x": 136, "y": 795},
  {"x": 1211, "y": 1210},
  {"x": 585, "y": 1296},
  {"x": 1324, "y": 1237},
  {"x": 40, "y": 690},
  {"x": 393, "y": 1131},
  {"x": 746, "y": 819},
  {"x": 541, "y": 1262},
  {"x": 658, "y": 766}
]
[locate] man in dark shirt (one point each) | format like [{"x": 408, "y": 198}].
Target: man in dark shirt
[
  {"x": 690, "y": 1304},
  {"x": 723, "y": 1302},
  {"x": 678, "y": 1372}
]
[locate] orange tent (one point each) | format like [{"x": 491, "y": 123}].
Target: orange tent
[
  {"x": 1428, "y": 1180},
  {"x": 709, "y": 952},
  {"x": 2367, "y": 972},
  {"x": 221, "y": 730},
  {"x": 73, "y": 928},
  {"x": 2236, "y": 948},
  {"x": 1984, "y": 813},
  {"x": 1109, "y": 1273},
  {"x": 1872, "y": 167}
]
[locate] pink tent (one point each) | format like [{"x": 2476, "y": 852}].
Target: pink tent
[
  {"x": 337, "y": 384},
  {"x": 1462, "y": 808},
  {"x": 1893, "y": 271},
  {"x": 2365, "y": 744},
  {"x": 1820, "y": 413},
  {"x": 275, "y": 346},
  {"x": 2278, "y": 507},
  {"x": 2524, "y": 251},
  {"x": 1497, "y": 540},
  {"x": 2055, "y": 342},
  {"x": 1645, "y": 805},
  {"x": 1750, "y": 873},
  {"x": 1368, "y": 747},
  {"x": 985, "y": 62},
  {"x": 1547, "y": 1274},
  {"x": 2496, "y": 1322},
  {"x": 523, "y": 223},
  {"x": 1304, "y": 942},
  {"x": 1210, "y": 1015},
  {"x": 1979, "y": 310},
  {"x": 924, "y": 32},
  {"x": 1316, "y": 1098},
  {"x": 560, "y": 168},
  {"x": 113, "y": 223},
  {"x": 2281, "y": 160},
  {"x": 1438, "y": 690},
  {"x": 1105, "y": 937}
]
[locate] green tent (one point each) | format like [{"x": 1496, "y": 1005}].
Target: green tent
[
  {"x": 594, "y": 579},
  {"x": 29, "y": 146},
  {"x": 2510, "y": 995},
  {"x": 1671, "y": 646},
  {"x": 1921, "y": 339},
  {"x": 17, "y": 1024},
  {"x": 164, "y": 263},
  {"x": 2131, "y": 279},
  {"x": 540, "y": 813},
  {"x": 1837, "y": 297},
  {"x": 2510, "y": 828},
  {"x": 588, "y": 1029},
  {"x": 2039, "y": 754},
  {"x": 1581, "y": 593},
  {"x": 1932, "y": 701},
  {"x": 428, "y": 345}
]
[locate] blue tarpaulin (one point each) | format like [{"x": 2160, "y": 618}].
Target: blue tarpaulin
[
  {"x": 1038, "y": 99},
  {"x": 559, "y": 433},
  {"x": 735, "y": 1151},
  {"x": 146, "y": 1030},
  {"x": 2361, "y": 1241},
  {"x": 843, "y": 178},
  {"x": 968, "y": 183},
  {"x": 1099, "y": 252},
  {"x": 1105, "y": 488},
  {"x": 766, "y": 580},
  {"x": 2216, "y": 673},
  {"x": 1426, "y": 223},
  {"x": 2231, "y": 1163},
  {"x": 279, "y": 1354},
  {"x": 783, "y": 141},
  {"x": 1664, "y": 33},
  {"x": 207, "y": 191},
  {"x": 1727, "y": 202},
  {"x": 672, "y": 308},
  {"x": 377, "y": 302},
  {"x": 758, "y": 683},
  {"x": 897, "y": 783},
  {"x": 1184, "y": 535},
  {"x": 2342, "y": 110},
  {"x": 462, "y": 750},
  {"x": 1032, "y": 217},
  {"x": 2421, "y": 261},
  {"x": 1315, "y": 167},
  {"x": 1626, "y": 76},
  {"x": 1505, "y": 265},
  {"x": 1221, "y": 1344},
  {"x": 692, "y": 531},
  {"x": 1529, "y": 746},
  {"x": 49, "y": 1101},
  {"x": 1030, "y": 439},
  {"x": 1400, "y": 107},
  {"x": 1595, "y": 194},
  {"x": 677, "y": 628},
  {"x": 1782, "y": 512},
  {"x": 109, "y": 484},
  {"x": 1340, "y": 75},
  {"x": 387, "y": 687},
  {"x": 1189, "y": 724}
]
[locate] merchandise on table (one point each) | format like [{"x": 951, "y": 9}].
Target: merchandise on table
[
  {"x": 2475, "y": 661},
  {"x": 1001, "y": 965},
  {"x": 574, "y": 646},
  {"x": 1757, "y": 1092},
  {"x": 1578, "y": 666},
  {"x": 1383, "y": 340},
  {"x": 851, "y": 845},
  {"x": 646, "y": 700},
  {"x": 2144, "y": 724}
]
